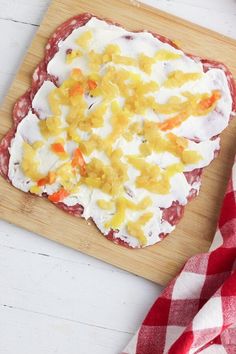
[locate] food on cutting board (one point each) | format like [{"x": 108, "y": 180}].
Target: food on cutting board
[{"x": 117, "y": 127}]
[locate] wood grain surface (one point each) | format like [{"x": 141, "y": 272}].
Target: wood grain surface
[{"x": 158, "y": 263}]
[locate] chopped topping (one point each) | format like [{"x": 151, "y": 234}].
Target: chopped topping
[
  {"x": 179, "y": 78},
  {"x": 119, "y": 121},
  {"x": 50, "y": 127},
  {"x": 84, "y": 39},
  {"x": 151, "y": 177},
  {"x": 92, "y": 84},
  {"x": 171, "y": 170},
  {"x": 35, "y": 190},
  {"x": 54, "y": 102},
  {"x": 119, "y": 217},
  {"x": 135, "y": 228},
  {"x": 108, "y": 178},
  {"x": 76, "y": 74},
  {"x": 145, "y": 63},
  {"x": 182, "y": 143},
  {"x": 164, "y": 55},
  {"x": 73, "y": 54},
  {"x": 195, "y": 105},
  {"x": 122, "y": 204},
  {"x": 105, "y": 204},
  {"x": 37, "y": 145},
  {"x": 78, "y": 161},
  {"x": 30, "y": 163},
  {"x": 189, "y": 157},
  {"x": 58, "y": 196},
  {"x": 42, "y": 182},
  {"x": 76, "y": 90},
  {"x": 173, "y": 122},
  {"x": 95, "y": 60},
  {"x": 50, "y": 179},
  {"x": 209, "y": 102},
  {"x": 67, "y": 177},
  {"x": 121, "y": 59},
  {"x": 58, "y": 148},
  {"x": 116, "y": 126},
  {"x": 110, "y": 51}
]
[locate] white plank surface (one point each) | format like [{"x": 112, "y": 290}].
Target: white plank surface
[{"x": 53, "y": 299}]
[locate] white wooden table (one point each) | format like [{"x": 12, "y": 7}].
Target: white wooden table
[{"x": 54, "y": 299}]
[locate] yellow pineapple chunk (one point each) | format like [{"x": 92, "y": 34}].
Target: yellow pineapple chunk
[
  {"x": 189, "y": 157},
  {"x": 107, "y": 88},
  {"x": 84, "y": 39},
  {"x": 145, "y": 149},
  {"x": 109, "y": 52},
  {"x": 171, "y": 170},
  {"x": 50, "y": 126},
  {"x": 37, "y": 145},
  {"x": 122, "y": 204},
  {"x": 179, "y": 78},
  {"x": 119, "y": 216},
  {"x": 54, "y": 102},
  {"x": 119, "y": 121},
  {"x": 135, "y": 228},
  {"x": 95, "y": 60},
  {"x": 128, "y": 136},
  {"x": 72, "y": 56},
  {"x": 30, "y": 163},
  {"x": 136, "y": 128},
  {"x": 66, "y": 176},
  {"x": 109, "y": 178},
  {"x": 145, "y": 63},
  {"x": 121, "y": 59},
  {"x": 164, "y": 55},
  {"x": 179, "y": 141},
  {"x": 72, "y": 135},
  {"x": 35, "y": 190},
  {"x": 135, "y": 231},
  {"x": 105, "y": 204},
  {"x": 96, "y": 117}
]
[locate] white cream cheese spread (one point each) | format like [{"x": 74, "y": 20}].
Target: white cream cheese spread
[{"x": 129, "y": 117}]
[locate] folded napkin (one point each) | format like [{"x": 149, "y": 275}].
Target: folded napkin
[{"x": 196, "y": 313}]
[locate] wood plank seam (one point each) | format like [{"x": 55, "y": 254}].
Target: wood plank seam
[
  {"x": 17, "y": 21},
  {"x": 64, "y": 319}
]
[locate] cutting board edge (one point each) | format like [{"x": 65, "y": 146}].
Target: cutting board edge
[
  {"x": 29, "y": 74},
  {"x": 212, "y": 33},
  {"x": 163, "y": 280}
]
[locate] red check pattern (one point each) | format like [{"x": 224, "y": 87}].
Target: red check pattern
[{"x": 196, "y": 313}]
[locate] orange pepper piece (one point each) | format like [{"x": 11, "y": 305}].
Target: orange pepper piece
[
  {"x": 76, "y": 73},
  {"x": 58, "y": 148},
  {"x": 173, "y": 122},
  {"x": 77, "y": 89},
  {"x": 58, "y": 196},
  {"x": 42, "y": 182},
  {"x": 78, "y": 160},
  {"x": 50, "y": 179},
  {"x": 172, "y": 136},
  {"x": 92, "y": 84},
  {"x": 208, "y": 102}
]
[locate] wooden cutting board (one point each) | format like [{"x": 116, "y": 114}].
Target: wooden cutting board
[{"x": 194, "y": 233}]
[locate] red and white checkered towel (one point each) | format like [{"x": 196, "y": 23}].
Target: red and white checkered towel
[{"x": 196, "y": 313}]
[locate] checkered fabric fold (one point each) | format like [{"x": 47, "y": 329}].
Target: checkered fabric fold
[{"x": 196, "y": 313}]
